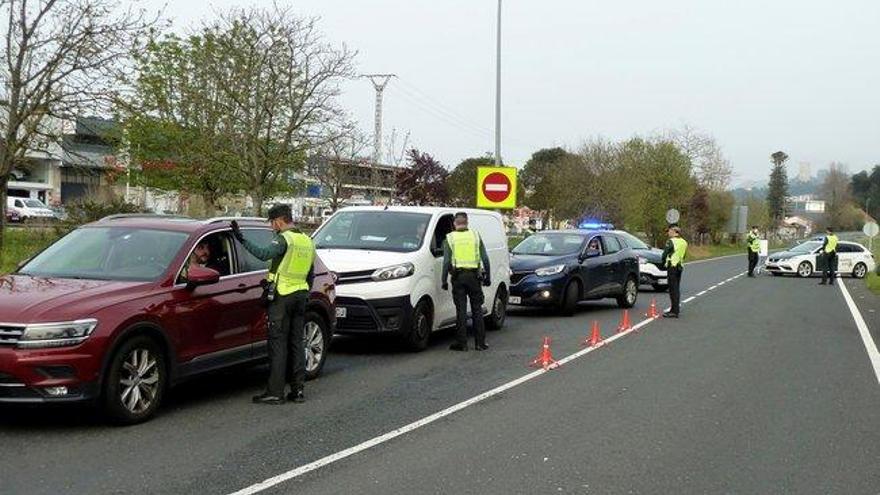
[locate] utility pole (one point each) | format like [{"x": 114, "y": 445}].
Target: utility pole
[
  {"x": 498, "y": 91},
  {"x": 379, "y": 82}
]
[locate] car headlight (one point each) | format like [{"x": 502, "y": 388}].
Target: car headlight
[
  {"x": 549, "y": 270},
  {"x": 68, "y": 333},
  {"x": 393, "y": 272}
]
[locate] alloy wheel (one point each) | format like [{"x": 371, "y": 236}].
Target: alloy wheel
[
  {"x": 139, "y": 380},
  {"x": 631, "y": 291},
  {"x": 314, "y": 344}
]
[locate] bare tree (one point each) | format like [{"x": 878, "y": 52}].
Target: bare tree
[
  {"x": 59, "y": 57},
  {"x": 712, "y": 170},
  {"x": 333, "y": 165}
]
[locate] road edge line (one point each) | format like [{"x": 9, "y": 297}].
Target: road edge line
[{"x": 864, "y": 332}]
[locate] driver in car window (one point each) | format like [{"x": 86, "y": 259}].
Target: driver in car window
[
  {"x": 594, "y": 246},
  {"x": 201, "y": 256}
]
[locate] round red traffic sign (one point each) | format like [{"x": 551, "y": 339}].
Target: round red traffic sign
[{"x": 496, "y": 187}]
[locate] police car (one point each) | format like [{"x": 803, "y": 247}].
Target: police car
[{"x": 803, "y": 260}]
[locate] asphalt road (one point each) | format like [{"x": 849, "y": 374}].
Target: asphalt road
[{"x": 764, "y": 386}]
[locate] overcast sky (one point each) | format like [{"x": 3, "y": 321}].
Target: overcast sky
[{"x": 797, "y": 75}]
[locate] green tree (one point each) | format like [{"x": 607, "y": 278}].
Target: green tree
[
  {"x": 698, "y": 213},
  {"x": 720, "y": 207},
  {"x": 423, "y": 181},
  {"x": 866, "y": 190},
  {"x": 758, "y": 213},
  {"x": 777, "y": 188},
  {"x": 536, "y": 181},
  {"x": 462, "y": 182},
  {"x": 243, "y": 99},
  {"x": 838, "y": 200}
]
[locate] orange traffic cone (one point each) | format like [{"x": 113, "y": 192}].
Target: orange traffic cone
[
  {"x": 595, "y": 339},
  {"x": 652, "y": 311},
  {"x": 624, "y": 323},
  {"x": 545, "y": 357}
]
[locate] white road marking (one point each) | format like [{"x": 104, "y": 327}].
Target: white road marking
[
  {"x": 689, "y": 299},
  {"x": 701, "y": 293},
  {"x": 867, "y": 340},
  {"x": 342, "y": 454}
]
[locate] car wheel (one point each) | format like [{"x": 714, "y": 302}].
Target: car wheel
[
  {"x": 805, "y": 269},
  {"x": 660, "y": 287},
  {"x": 570, "y": 298},
  {"x": 495, "y": 319},
  {"x": 630, "y": 294},
  {"x": 420, "y": 330},
  {"x": 135, "y": 382},
  {"x": 317, "y": 343},
  {"x": 860, "y": 270}
]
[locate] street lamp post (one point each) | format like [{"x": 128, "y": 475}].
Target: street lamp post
[{"x": 498, "y": 91}]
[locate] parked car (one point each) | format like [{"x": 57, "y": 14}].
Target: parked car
[
  {"x": 559, "y": 268},
  {"x": 114, "y": 313},
  {"x": 30, "y": 209},
  {"x": 651, "y": 269},
  {"x": 12, "y": 215},
  {"x": 803, "y": 260},
  {"x": 389, "y": 265}
]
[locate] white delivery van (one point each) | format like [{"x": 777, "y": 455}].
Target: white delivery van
[
  {"x": 30, "y": 209},
  {"x": 389, "y": 263}
]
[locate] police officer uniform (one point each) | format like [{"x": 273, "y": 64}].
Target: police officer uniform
[
  {"x": 829, "y": 252},
  {"x": 754, "y": 247},
  {"x": 463, "y": 256},
  {"x": 673, "y": 260},
  {"x": 291, "y": 256}
]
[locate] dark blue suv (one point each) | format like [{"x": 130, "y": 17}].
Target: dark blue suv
[{"x": 558, "y": 268}]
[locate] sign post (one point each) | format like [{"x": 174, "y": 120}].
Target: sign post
[
  {"x": 496, "y": 187},
  {"x": 672, "y": 216},
  {"x": 871, "y": 229}
]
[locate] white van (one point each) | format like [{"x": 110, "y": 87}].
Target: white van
[
  {"x": 389, "y": 264},
  {"x": 29, "y": 209}
]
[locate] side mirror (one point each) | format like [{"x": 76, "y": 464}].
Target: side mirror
[
  {"x": 590, "y": 253},
  {"x": 199, "y": 275}
]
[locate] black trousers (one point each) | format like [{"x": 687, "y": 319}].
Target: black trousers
[
  {"x": 830, "y": 265},
  {"x": 287, "y": 353},
  {"x": 753, "y": 262},
  {"x": 673, "y": 275},
  {"x": 466, "y": 286}
]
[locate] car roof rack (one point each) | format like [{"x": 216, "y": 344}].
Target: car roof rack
[
  {"x": 120, "y": 216},
  {"x": 229, "y": 219}
]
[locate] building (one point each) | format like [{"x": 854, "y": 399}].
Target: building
[
  {"x": 805, "y": 172},
  {"x": 804, "y": 204},
  {"x": 83, "y": 165}
]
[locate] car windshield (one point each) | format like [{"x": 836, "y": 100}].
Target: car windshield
[
  {"x": 34, "y": 203},
  {"x": 633, "y": 242},
  {"x": 550, "y": 244},
  {"x": 108, "y": 253},
  {"x": 807, "y": 247},
  {"x": 373, "y": 230}
]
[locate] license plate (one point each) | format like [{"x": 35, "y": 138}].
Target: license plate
[
  {"x": 341, "y": 312},
  {"x": 514, "y": 300}
]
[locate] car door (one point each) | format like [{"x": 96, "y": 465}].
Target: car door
[
  {"x": 845, "y": 257},
  {"x": 215, "y": 320},
  {"x": 593, "y": 271},
  {"x": 444, "y": 307},
  {"x": 251, "y": 272},
  {"x": 614, "y": 265}
]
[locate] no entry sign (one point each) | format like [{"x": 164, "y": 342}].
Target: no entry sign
[{"x": 496, "y": 187}]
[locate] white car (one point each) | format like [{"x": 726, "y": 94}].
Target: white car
[
  {"x": 29, "y": 209},
  {"x": 803, "y": 260},
  {"x": 389, "y": 264}
]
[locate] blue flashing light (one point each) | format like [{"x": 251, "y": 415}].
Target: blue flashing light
[{"x": 595, "y": 226}]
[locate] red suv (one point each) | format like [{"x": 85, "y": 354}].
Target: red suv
[{"x": 118, "y": 310}]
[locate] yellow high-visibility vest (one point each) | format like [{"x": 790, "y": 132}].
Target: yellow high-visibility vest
[
  {"x": 679, "y": 250},
  {"x": 465, "y": 246},
  {"x": 295, "y": 265},
  {"x": 831, "y": 246},
  {"x": 754, "y": 243}
]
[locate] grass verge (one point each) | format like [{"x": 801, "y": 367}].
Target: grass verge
[{"x": 21, "y": 243}]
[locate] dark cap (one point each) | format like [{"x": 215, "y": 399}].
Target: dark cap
[{"x": 281, "y": 211}]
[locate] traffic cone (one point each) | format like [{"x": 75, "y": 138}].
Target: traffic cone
[
  {"x": 545, "y": 357},
  {"x": 624, "y": 323},
  {"x": 652, "y": 311},
  {"x": 595, "y": 339}
]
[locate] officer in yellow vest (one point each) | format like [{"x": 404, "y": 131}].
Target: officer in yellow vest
[
  {"x": 673, "y": 260},
  {"x": 465, "y": 257},
  {"x": 829, "y": 252},
  {"x": 291, "y": 256},
  {"x": 753, "y": 243}
]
